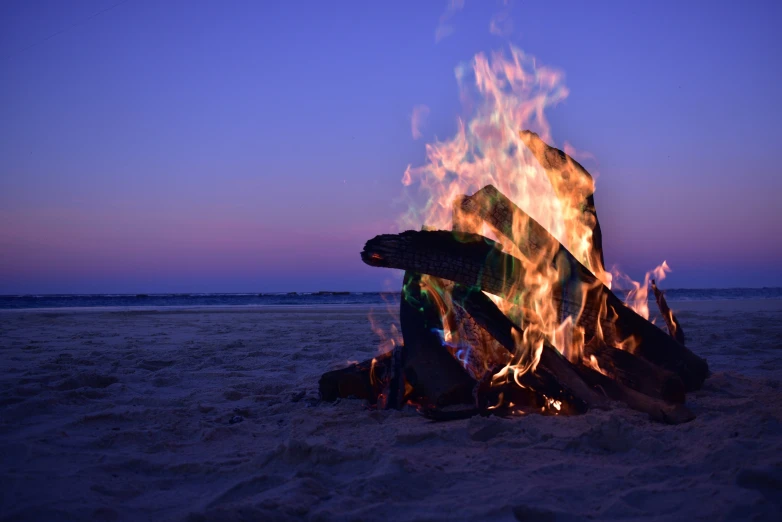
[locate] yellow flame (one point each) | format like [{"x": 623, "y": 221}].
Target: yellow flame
[
  {"x": 510, "y": 93},
  {"x": 638, "y": 294}
]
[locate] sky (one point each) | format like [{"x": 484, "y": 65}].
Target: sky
[{"x": 243, "y": 146}]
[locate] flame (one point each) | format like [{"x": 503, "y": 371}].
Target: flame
[
  {"x": 372, "y": 377},
  {"x": 513, "y": 93},
  {"x": 638, "y": 293},
  {"x": 554, "y": 404},
  {"x": 592, "y": 363},
  {"x": 389, "y": 336},
  {"x": 417, "y": 120},
  {"x": 506, "y": 93}
]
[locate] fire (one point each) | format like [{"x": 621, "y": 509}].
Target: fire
[
  {"x": 390, "y": 336},
  {"x": 592, "y": 363},
  {"x": 638, "y": 294},
  {"x": 510, "y": 92}
]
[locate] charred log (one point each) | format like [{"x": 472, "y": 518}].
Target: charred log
[
  {"x": 437, "y": 379},
  {"x": 469, "y": 259},
  {"x": 635, "y": 372},
  {"x": 473, "y": 260},
  {"x": 505, "y": 218},
  {"x": 554, "y": 375},
  {"x": 396, "y": 394},
  {"x": 360, "y": 380}
]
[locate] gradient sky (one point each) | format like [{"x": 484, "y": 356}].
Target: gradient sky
[{"x": 213, "y": 146}]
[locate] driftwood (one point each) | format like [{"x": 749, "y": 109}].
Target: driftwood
[
  {"x": 674, "y": 328},
  {"x": 473, "y": 260}
]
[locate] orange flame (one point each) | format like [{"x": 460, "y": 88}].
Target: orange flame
[
  {"x": 638, "y": 294},
  {"x": 509, "y": 93}
]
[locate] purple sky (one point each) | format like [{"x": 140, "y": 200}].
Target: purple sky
[{"x": 255, "y": 146}]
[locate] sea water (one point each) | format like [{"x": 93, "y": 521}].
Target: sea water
[{"x": 306, "y": 298}]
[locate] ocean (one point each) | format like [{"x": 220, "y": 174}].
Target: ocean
[{"x": 304, "y": 298}]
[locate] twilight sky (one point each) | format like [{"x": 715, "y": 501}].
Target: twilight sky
[{"x": 242, "y": 146}]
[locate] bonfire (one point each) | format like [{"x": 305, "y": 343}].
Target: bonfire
[{"x": 506, "y": 305}]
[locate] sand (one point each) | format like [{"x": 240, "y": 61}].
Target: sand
[{"x": 125, "y": 415}]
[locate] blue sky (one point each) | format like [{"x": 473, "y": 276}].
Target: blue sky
[{"x": 243, "y": 146}]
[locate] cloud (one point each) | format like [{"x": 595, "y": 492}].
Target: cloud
[{"x": 417, "y": 120}]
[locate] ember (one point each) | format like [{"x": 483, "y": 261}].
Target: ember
[{"x": 506, "y": 304}]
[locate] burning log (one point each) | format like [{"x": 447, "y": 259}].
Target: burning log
[
  {"x": 529, "y": 392},
  {"x": 468, "y": 259},
  {"x": 360, "y": 380},
  {"x": 569, "y": 179},
  {"x": 437, "y": 379},
  {"x": 396, "y": 383},
  {"x": 473, "y": 260},
  {"x": 627, "y": 369},
  {"x": 551, "y": 363},
  {"x": 505, "y": 218},
  {"x": 454, "y": 334},
  {"x": 674, "y": 328},
  {"x": 580, "y": 378},
  {"x": 635, "y": 372},
  {"x": 658, "y": 410}
]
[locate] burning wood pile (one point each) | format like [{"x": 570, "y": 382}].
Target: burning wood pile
[{"x": 519, "y": 323}]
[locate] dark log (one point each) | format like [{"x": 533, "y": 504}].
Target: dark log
[
  {"x": 473, "y": 260},
  {"x": 396, "y": 389},
  {"x": 635, "y": 372},
  {"x": 674, "y": 328},
  {"x": 508, "y": 220},
  {"x": 469, "y": 259},
  {"x": 536, "y": 248},
  {"x": 504, "y": 395},
  {"x": 506, "y": 400},
  {"x": 657, "y": 409},
  {"x": 437, "y": 379},
  {"x": 552, "y": 367},
  {"x": 362, "y": 380},
  {"x": 569, "y": 179},
  {"x": 474, "y": 347}
]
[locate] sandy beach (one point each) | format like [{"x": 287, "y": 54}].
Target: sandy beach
[{"x": 213, "y": 414}]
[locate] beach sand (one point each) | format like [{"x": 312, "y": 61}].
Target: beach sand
[{"x": 125, "y": 415}]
